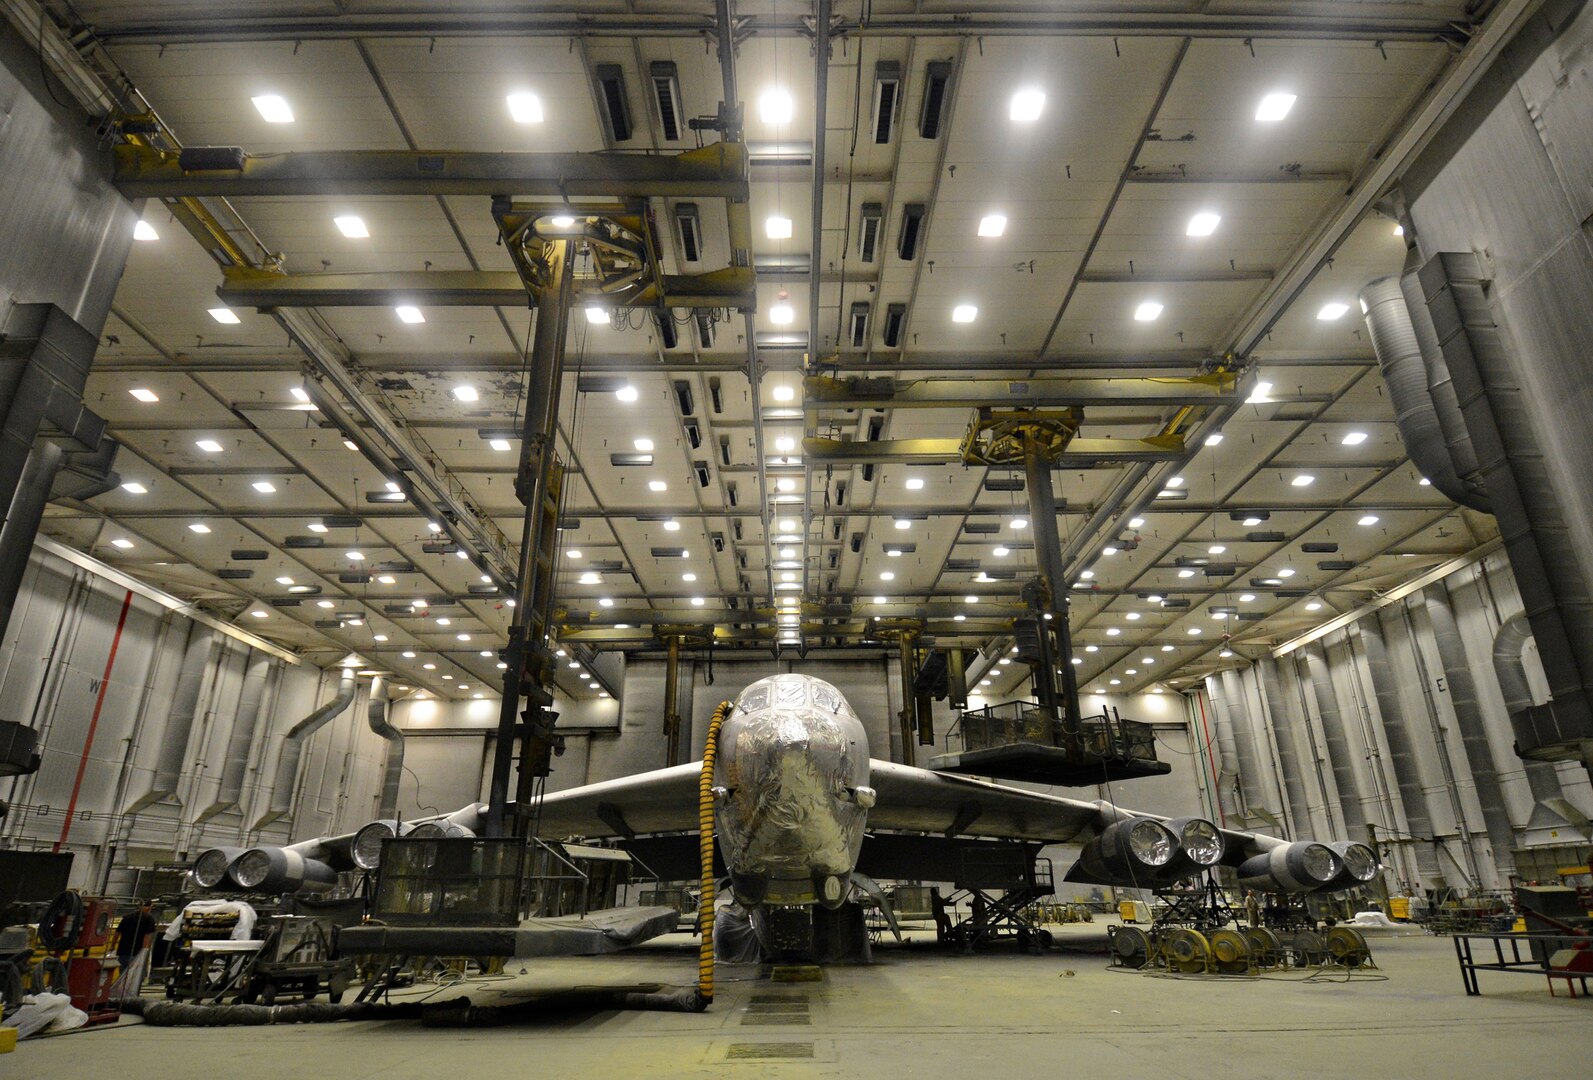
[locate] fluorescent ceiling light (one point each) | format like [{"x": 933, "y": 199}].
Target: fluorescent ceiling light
[
  {"x": 1259, "y": 395},
  {"x": 352, "y": 226},
  {"x": 299, "y": 393},
  {"x": 964, "y": 313},
  {"x": 1147, "y": 311},
  {"x": 209, "y": 446},
  {"x": 785, "y": 444},
  {"x": 914, "y": 483},
  {"x": 992, "y": 225},
  {"x": 1313, "y": 606},
  {"x": 1018, "y": 523},
  {"x": 409, "y": 314},
  {"x": 1203, "y": 224},
  {"x": 657, "y": 485},
  {"x": 1175, "y": 482},
  {"x": 1354, "y": 438},
  {"x": 595, "y": 315},
  {"x": 386, "y": 579},
  {"x": 561, "y": 221},
  {"x": 143, "y": 230},
  {"x": 466, "y": 392},
  {"x": 525, "y": 108},
  {"x": 1332, "y": 311},
  {"x": 225, "y": 316},
  {"x": 886, "y": 575},
  {"x": 1303, "y": 480},
  {"x": 350, "y": 444},
  {"x": 671, "y": 525},
  {"x": 316, "y": 527},
  {"x": 688, "y": 577},
  {"x": 777, "y": 227},
  {"x": 133, "y": 487},
  {"x": 627, "y": 393},
  {"x": 122, "y": 542},
  {"x": 1135, "y": 523},
  {"x": 644, "y": 446},
  {"x": 783, "y": 393},
  {"x": 500, "y": 445},
  {"x": 775, "y": 106},
  {"x": 782, "y": 314},
  {"x": 146, "y": 396},
  {"x": 355, "y": 556},
  {"x": 284, "y": 581},
  {"x": 785, "y": 484},
  {"x": 199, "y": 527},
  {"x": 1000, "y": 552},
  {"x": 265, "y": 487},
  {"x": 1369, "y": 519},
  {"x": 1216, "y": 549},
  {"x": 1286, "y": 572},
  {"x": 1214, "y": 439},
  {"x": 257, "y": 613},
  {"x": 590, "y": 578},
  {"x": 1274, "y": 107},
  {"x": 1252, "y": 522},
  {"x": 273, "y": 109},
  {"x": 1027, "y": 105}
]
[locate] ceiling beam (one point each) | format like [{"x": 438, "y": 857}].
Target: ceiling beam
[
  {"x": 731, "y": 287},
  {"x": 447, "y": 21},
  {"x": 1079, "y": 454},
  {"x": 1171, "y": 277},
  {"x": 718, "y": 170},
  {"x": 821, "y": 393}
]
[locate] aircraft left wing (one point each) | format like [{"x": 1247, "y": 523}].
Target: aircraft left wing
[{"x": 664, "y": 800}]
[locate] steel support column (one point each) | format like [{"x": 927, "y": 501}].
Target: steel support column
[
  {"x": 22, "y": 520},
  {"x": 1048, "y": 555},
  {"x": 672, "y": 701},
  {"x": 526, "y": 653}
]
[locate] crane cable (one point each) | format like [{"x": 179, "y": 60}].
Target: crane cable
[{"x": 705, "y": 847}]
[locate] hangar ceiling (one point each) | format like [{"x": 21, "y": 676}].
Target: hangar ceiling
[{"x": 1149, "y": 120}]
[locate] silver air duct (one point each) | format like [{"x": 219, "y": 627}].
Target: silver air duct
[
  {"x": 180, "y": 722},
  {"x": 1468, "y": 717},
  {"x": 366, "y": 849},
  {"x": 1401, "y": 744},
  {"x": 293, "y": 747},
  {"x": 1333, "y": 730},
  {"x": 1399, "y": 355},
  {"x": 1285, "y": 727},
  {"x": 1511, "y": 672},
  {"x": 376, "y": 712},
  {"x": 1227, "y": 759},
  {"x": 1300, "y": 867},
  {"x": 241, "y": 739},
  {"x": 1244, "y": 741},
  {"x": 278, "y": 869}
]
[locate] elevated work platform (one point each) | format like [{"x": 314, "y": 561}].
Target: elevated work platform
[{"x": 1024, "y": 741}]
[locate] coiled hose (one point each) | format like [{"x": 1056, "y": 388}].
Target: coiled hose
[
  {"x": 67, "y": 908},
  {"x": 705, "y": 850}
]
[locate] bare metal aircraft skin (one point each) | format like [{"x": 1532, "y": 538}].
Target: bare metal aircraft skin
[{"x": 796, "y": 791}]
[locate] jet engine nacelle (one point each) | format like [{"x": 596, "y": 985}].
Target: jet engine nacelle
[
  {"x": 1359, "y": 865},
  {"x": 1143, "y": 852},
  {"x": 276, "y": 869},
  {"x": 1304, "y": 866},
  {"x": 210, "y": 868}
]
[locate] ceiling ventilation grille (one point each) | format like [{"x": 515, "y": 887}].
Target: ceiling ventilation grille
[{"x": 666, "y": 96}]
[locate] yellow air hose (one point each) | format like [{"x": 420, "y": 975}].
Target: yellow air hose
[{"x": 705, "y": 843}]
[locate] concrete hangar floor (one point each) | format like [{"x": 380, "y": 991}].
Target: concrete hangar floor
[{"x": 918, "y": 1011}]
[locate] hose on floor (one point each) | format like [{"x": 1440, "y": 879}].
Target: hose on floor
[{"x": 705, "y": 850}]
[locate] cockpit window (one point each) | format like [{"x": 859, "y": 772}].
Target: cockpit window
[
  {"x": 789, "y": 692},
  {"x": 825, "y": 696},
  {"x": 754, "y": 698}
]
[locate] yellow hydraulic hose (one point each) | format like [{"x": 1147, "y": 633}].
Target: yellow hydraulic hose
[{"x": 705, "y": 842}]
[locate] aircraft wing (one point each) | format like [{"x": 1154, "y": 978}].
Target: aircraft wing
[
  {"x": 664, "y": 800},
  {"x": 920, "y": 800},
  {"x": 909, "y": 799}
]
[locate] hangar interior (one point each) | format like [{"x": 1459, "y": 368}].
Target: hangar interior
[{"x": 423, "y": 416}]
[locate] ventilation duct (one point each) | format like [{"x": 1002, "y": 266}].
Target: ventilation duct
[
  {"x": 887, "y": 89},
  {"x": 937, "y": 82},
  {"x": 1227, "y": 758},
  {"x": 241, "y": 739},
  {"x": 1511, "y": 672},
  {"x": 1473, "y": 731},
  {"x": 895, "y": 318},
  {"x": 1441, "y": 388},
  {"x": 1251, "y": 776},
  {"x": 180, "y": 723},
  {"x": 1399, "y": 356},
  {"x": 1535, "y": 514},
  {"x": 912, "y": 225},
  {"x": 668, "y": 335},
  {"x": 688, "y": 224},
  {"x": 281, "y": 803},
  {"x": 615, "y": 103},
  {"x": 706, "y": 329},
  {"x": 1337, "y": 737},
  {"x": 376, "y": 713},
  {"x": 1401, "y": 743},
  {"x": 858, "y": 325},
  {"x": 666, "y": 98},
  {"x": 873, "y": 214},
  {"x": 1284, "y": 737}
]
